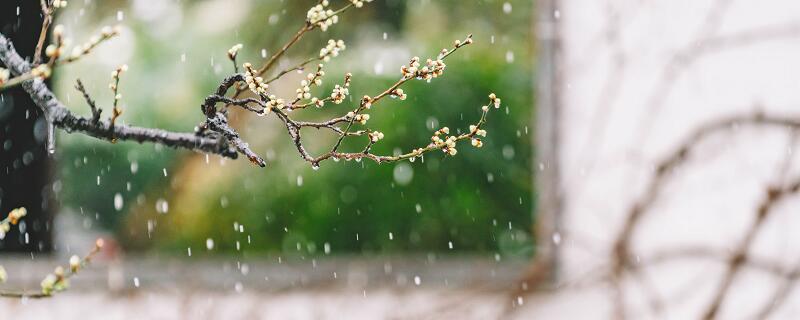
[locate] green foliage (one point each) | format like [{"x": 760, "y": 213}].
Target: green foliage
[{"x": 480, "y": 200}]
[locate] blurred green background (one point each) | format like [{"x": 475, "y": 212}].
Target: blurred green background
[{"x": 480, "y": 201}]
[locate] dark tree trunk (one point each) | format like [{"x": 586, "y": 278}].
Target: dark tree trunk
[{"x": 24, "y": 161}]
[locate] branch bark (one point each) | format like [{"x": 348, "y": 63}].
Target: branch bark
[{"x": 60, "y": 116}]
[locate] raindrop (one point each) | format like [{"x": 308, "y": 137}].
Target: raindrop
[
  {"x": 27, "y": 158},
  {"x": 489, "y": 177},
  {"x": 118, "y": 201},
  {"x": 327, "y": 248},
  {"x": 51, "y": 139},
  {"x": 273, "y": 19},
  {"x": 432, "y": 123},
  {"x": 417, "y": 280},
  {"x": 120, "y": 16},
  {"x": 556, "y": 238},
  {"x": 299, "y": 181},
  {"x": 391, "y": 236},
  {"x": 507, "y": 8},
  {"x": 403, "y": 173},
  {"x": 418, "y": 207},
  {"x": 450, "y": 245},
  {"x": 315, "y": 166},
  {"x": 210, "y": 244},
  {"x": 134, "y": 167},
  {"x": 508, "y": 152},
  {"x": 165, "y": 171},
  {"x": 136, "y": 282},
  {"x": 162, "y": 206},
  {"x": 509, "y": 56},
  {"x": 189, "y": 251},
  {"x": 238, "y": 287}
]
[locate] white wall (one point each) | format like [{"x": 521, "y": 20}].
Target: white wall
[{"x": 638, "y": 78}]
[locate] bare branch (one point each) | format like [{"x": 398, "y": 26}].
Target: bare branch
[
  {"x": 95, "y": 110},
  {"x": 61, "y": 117}
]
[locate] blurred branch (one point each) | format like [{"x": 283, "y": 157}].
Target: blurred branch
[
  {"x": 773, "y": 196},
  {"x": 621, "y": 249},
  {"x": 59, "y": 279}
]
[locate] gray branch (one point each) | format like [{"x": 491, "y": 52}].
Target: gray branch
[{"x": 58, "y": 115}]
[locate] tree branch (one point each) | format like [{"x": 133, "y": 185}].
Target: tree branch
[{"x": 58, "y": 114}]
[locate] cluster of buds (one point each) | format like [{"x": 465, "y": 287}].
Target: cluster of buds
[
  {"x": 448, "y": 144},
  {"x": 15, "y": 215},
  {"x": 432, "y": 69},
  {"x": 4, "y": 76},
  {"x": 359, "y": 3},
  {"x": 398, "y": 93},
  {"x": 304, "y": 92},
  {"x": 321, "y": 16},
  {"x": 332, "y": 49},
  {"x": 411, "y": 70},
  {"x": 41, "y": 71},
  {"x": 493, "y": 100},
  {"x": 115, "y": 76},
  {"x": 114, "y": 86},
  {"x": 360, "y": 118},
  {"x": 13, "y": 218},
  {"x": 375, "y": 136},
  {"x": 55, "y": 50},
  {"x": 74, "y": 263},
  {"x": 476, "y": 131},
  {"x": 274, "y": 102},
  {"x": 459, "y": 43},
  {"x": 443, "y": 53},
  {"x": 55, "y": 282},
  {"x": 340, "y": 92},
  {"x": 233, "y": 51},
  {"x": 106, "y": 33},
  {"x": 366, "y": 102},
  {"x": 59, "y": 3},
  {"x": 319, "y": 103},
  {"x": 254, "y": 82},
  {"x": 59, "y": 279}
]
